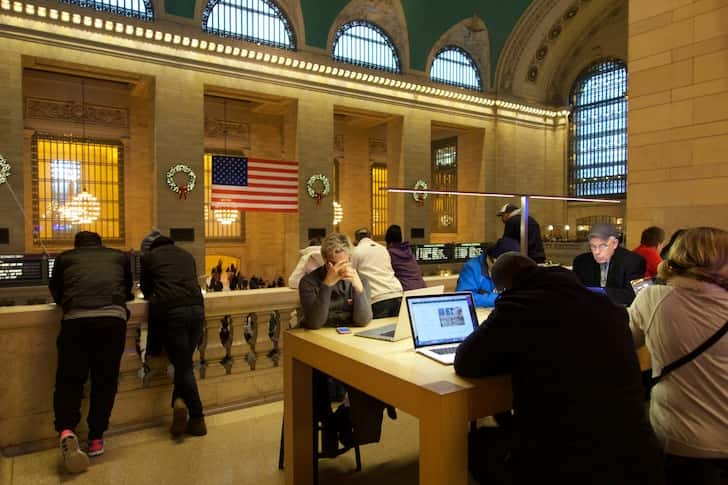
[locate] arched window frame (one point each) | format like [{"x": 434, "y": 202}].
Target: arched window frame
[
  {"x": 454, "y": 82},
  {"x": 598, "y": 149},
  {"x": 247, "y": 36},
  {"x": 139, "y": 9},
  {"x": 385, "y": 39}
]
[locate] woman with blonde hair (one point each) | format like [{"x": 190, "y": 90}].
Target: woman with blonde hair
[{"x": 689, "y": 405}]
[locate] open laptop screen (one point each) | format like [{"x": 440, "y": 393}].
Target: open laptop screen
[{"x": 441, "y": 319}]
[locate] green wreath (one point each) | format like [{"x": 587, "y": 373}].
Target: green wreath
[
  {"x": 4, "y": 170},
  {"x": 184, "y": 189},
  {"x": 419, "y": 196},
  {"x": 325, "y": 184}
]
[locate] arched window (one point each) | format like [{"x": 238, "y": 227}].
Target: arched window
[
  {"x": 259, "y": 21},
  {"x": 598, "y": 131},
  {"x": 452, "y": 65},
  {"x": 364, "y": 44},
  {"x": 140, "y": 9}
]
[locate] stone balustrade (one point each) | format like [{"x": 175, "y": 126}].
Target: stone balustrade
[{"x": 229, "y": 376}]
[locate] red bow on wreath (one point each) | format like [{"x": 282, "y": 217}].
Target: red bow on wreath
[{"x": 183, "y": 192}]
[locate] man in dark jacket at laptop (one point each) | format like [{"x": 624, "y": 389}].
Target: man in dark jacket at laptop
[
  {"x": 92, "y": 284},
  {"x": 169, "y": 282},
  {"x": 579, "y": 416},
  {"x": 609, "y": 265}
]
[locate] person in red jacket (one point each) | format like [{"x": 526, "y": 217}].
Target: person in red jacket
[{"x": 650, "y": 245}]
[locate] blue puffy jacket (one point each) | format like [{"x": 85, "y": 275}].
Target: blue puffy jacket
[{"x": 472, "y": 279}]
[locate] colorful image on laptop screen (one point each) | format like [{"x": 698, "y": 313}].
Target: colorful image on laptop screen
[{"x": 442, "y": 319}]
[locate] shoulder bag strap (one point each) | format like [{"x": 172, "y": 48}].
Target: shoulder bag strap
[{"x": 692, "y": 355}]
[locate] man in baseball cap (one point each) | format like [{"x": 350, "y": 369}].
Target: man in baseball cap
[
  {"x": 608, "y": 265},
  {"x": 511, "y": 217}
]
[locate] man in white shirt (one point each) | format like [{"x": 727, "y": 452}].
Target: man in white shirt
[{"x": 373, "y": 261}]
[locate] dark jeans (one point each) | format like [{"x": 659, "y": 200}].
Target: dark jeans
[
  {"x": 681, "y": 470},
  {"x": 182, "y": 333},
  {"x": 86, "y": 345},
  {"x": 386, "y": 308}
]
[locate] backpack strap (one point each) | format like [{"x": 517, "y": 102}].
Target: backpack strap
[{"x": 692, "y": 355}]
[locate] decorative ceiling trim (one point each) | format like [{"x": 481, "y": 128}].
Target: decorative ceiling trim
[{"x": 141, "y": 42}]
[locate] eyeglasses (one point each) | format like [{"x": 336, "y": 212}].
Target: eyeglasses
[{"x": 600, "y": 247}]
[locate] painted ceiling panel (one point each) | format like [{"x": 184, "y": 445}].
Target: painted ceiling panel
[{"x": 181, "y": 8}]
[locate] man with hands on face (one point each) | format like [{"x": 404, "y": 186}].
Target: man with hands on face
[{"x": 335, "y": 294}]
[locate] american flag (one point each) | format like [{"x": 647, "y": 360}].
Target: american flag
[{"x": 251, "y": 184}]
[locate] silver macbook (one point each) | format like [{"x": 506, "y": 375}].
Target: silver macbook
[
  {"x": 400, "y": 330},
  {"x": 439, "y": 323}
]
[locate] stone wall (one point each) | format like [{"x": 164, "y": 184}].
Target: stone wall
[{"x": 678, "y": 113}]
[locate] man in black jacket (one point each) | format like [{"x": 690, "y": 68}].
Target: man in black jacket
[
  {"x": 579, "y": 416},
  {"x": 169, "y": 282},
  {"x": 511, "y": 217},
  {"x": 608, "y": 265},
  {"x": 92, "y": 284}
]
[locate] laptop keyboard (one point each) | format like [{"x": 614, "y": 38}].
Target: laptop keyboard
[
  {"x": 389, "y": 333},
  {"x": 445, "y": 350}
]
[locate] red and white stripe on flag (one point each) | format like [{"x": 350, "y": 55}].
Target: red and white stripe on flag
[{"x": 272, "y": 186}]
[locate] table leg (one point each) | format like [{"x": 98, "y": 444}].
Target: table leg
[
  {"x": 298, "y": 421},
  {"x": 444, "y": 442}
]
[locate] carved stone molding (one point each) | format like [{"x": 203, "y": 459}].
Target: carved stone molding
[
  {"x": 49, "y": 109},
  {"x": 551, "y": 37},
  {"x": 377, "y": 145},
  {"x": 513, "y": 51},
  {"x": 224, "y": 128}
]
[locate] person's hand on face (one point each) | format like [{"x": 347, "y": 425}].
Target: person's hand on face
[
  {"x": 348, "y": 273},
  {"x": 334, "y": 267}
]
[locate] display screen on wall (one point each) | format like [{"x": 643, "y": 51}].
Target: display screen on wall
[
  {"x": 21, "y": 270},
  {"x": 447, "y": 253}
]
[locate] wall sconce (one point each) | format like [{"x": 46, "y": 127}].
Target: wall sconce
[{"x": 566, "y": 228}]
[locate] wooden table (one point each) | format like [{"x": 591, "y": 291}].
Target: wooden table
[{"x": 391, "y": 371}]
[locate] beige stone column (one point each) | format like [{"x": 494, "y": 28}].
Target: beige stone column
[
  {"x": 415, "y": 164},
  {"x": 315, "y": 144},
  {"x": 179, "y": 130},
  {"x": 11, "y": 148},
  {"x": 678, "y": 116}
]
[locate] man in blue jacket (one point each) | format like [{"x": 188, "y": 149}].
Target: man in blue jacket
[{"x": 475, "y": 275}]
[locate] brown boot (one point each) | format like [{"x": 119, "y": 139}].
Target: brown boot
[
  {"x": 196, "y": 427},
  {"x": 179, "y": 418}
]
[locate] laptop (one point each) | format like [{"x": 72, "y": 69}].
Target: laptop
[
  {"x": 440, "y": 323},
  {"x": 400, "y": 330}
]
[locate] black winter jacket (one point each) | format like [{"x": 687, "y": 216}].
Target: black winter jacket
[
  {"x": 577, "y": 392},
  {"x": 169, "y": 278},
  {"x": 535, "y": 244},
  {"x": 91, "y": 276}
]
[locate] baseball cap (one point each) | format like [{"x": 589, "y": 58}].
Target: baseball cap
[
  {"x": 603, "y": 230},
  {"x": 506, "y": 209}
]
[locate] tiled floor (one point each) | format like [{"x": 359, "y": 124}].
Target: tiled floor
[{"x": 241, "y": 448}]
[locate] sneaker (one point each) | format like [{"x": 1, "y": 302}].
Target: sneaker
[
  {"x": 96, "y": 447},
  {"x": 196, "y": 427},
  {"x": 74, "y": 459},
  {"x": 179, "y": 418}
]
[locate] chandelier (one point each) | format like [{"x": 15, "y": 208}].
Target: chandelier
[
  {"x": 226, "y": 216},
  {"x": 84, "y": 208},
  {"x": 338, "y": 213}
]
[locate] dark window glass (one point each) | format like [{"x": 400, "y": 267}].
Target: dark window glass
[
  {"x": 598, "y": 132},
  {"x": 259, "y": 21},
  {"x": 452, "y": 65},
  {"x": 364, "y": 44},
  {"x": 444, "y": 177}
]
